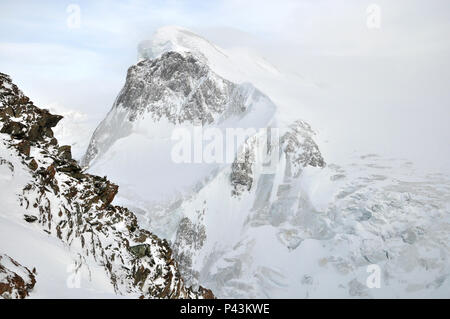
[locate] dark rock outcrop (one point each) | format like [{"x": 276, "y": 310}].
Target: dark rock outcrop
[
  {"x": 241, "y": 176},
  {"x": 300, "y": 148}
]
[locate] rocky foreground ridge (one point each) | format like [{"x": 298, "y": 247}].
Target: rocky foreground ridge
[{"x": 76, "y": 208}]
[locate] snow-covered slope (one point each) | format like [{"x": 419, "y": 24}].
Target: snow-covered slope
[
  {"x": 295, "y": 228},
  {"x": 59, "y": 221}
]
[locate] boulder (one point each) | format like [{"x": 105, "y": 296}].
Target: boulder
[
  {"x": 140, "y": 250},
  {"x": 30, "y": 218},
  {"x": 33, "y": 165},
  {"x": 49, "y": 120},
  {"x": 15, "y": 129},
  {"x": 65, "y": 152},
  {"x": 24, "y": 147}
]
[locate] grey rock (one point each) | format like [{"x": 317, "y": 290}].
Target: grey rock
[{"x": 300, "y": 148}]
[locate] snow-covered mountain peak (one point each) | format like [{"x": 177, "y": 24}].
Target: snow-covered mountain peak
[
  {"x": 177, "y": 89},
  {"x": 177, "y": 39},
  {"x": 237, "y": 65}
]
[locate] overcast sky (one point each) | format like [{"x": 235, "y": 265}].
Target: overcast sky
[{"x": 397, "y": 74}]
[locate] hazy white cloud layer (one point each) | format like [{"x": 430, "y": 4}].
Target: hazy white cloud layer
[{"x": 384, "y": 88}]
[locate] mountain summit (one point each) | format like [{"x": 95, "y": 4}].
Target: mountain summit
[{"x": 177, "y": 39}]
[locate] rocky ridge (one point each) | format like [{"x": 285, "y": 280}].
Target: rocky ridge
[{"x": 76, "y": 207}]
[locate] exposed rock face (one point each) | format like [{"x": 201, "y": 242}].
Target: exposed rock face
[
  {"x": 65, "y": 152},
  {"x": 16, "y": 281},
  {"x": 190, "y": 237},
  {"x": 17, "y": 108},
  {"x": 30, "y": 218},
  {"x": 175, "y": 87},
  {"x": 300, "y": 148},
  {"x": 241, "y": 176},
  {"x": 156, "y": 86},
  {"x": 76, "y": 207},
  {"x": 297, "y": 145}
]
